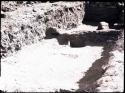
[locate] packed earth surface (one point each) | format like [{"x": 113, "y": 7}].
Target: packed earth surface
[{"x": 62, "y": 46}]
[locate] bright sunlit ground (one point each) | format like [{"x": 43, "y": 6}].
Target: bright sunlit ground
[{"x": 47, "y": 66}]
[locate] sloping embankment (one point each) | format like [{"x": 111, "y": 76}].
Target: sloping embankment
[{"x": 26, "y": 24}]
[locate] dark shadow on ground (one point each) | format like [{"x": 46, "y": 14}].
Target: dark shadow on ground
[
  {"x": 90, "y": 23},
  {"x": 93, "y": 38},
  {"x": 88, "y": 82},
  {"x": 83, "y": 39}
]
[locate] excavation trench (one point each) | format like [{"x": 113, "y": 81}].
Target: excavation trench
[
  {"x": 19, "y": 74},
  {"x": 50, "y": 66},
  {"x": 88, "y": 82},
  {"x": 106, "y": 39},
  {"x": 81, "y": 39}
]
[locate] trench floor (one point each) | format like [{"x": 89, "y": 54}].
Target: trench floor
[{"x": 47, "y": 66}]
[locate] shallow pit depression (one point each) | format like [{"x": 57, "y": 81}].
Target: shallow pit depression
[{"x": 47, "y": 66}]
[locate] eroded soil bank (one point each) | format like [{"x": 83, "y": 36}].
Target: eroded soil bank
[{"x": 26, "y": 24}]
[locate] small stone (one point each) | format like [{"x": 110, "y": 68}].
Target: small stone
[{"x": 103, "y": 25}]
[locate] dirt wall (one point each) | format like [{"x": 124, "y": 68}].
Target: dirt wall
[{"x": 25, "y": 23}]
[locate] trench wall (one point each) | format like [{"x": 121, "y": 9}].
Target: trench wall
[{"x": 27, "y": 25}]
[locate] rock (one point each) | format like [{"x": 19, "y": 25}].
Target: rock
[{"x": 103, "y": 25}]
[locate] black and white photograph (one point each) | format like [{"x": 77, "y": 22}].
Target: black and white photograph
[{"x": 62, "y": 46}]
